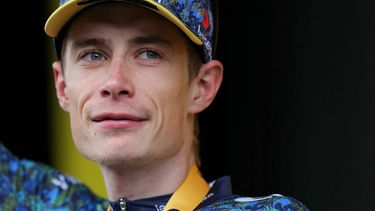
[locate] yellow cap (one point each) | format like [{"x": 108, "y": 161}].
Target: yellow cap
[{"x": 69, "y": 8}]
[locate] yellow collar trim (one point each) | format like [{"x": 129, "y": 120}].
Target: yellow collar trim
[{"x": 191, "y": 192}]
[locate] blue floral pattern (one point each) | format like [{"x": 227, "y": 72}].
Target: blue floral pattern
[
  {"x": 269, "y": 203},
  {"x": 197, "y": 16},
  {"x": 28, "y": 185}
]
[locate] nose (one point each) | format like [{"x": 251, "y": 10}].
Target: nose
[{"x": 118, "y": 82}]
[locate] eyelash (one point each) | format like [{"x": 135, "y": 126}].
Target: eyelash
[
  {"x": 91, "y": 52},
  {"x": 142, "y": 55},
  {"x": 149, "y": 51}
]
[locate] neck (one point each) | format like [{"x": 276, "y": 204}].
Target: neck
[{"x": 148, "y": 180}]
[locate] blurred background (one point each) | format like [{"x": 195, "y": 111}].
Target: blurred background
[{"x": 295, "y": 115}]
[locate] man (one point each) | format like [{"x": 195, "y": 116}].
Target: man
[{"x": 133, "y": 75}]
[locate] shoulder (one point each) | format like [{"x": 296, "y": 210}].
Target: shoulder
[
  {"x": 28, "y": 185},
  {"x": 271, "y": 202}
]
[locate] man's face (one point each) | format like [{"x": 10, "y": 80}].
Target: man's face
[{"x": 126, "y": 85}]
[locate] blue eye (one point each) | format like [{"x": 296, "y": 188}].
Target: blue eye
[
  {"x": 149, "y": 55},
  {"x": 93, "y": 56}
]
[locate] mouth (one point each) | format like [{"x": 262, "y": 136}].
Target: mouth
[
  {"x": 116, "y": 117},
  {"x": 117, "y": 120}
]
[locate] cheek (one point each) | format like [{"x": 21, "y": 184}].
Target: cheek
[
  {"x": 173, "y": 105},
  {"x": 172, "y": 89},
  {"x": 173, "y": 96},
  {"x": 78, "y": 120},
  {"x": 73, "y": 95},
  {"x": 79, "y": 95},
  {"x": 80, "y": 87},
  {"x": 74, "y": 111}
]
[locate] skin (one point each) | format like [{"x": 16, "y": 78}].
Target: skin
[{"x": 125, "y": 83}]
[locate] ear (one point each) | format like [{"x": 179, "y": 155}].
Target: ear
[
  {"x": 206, "y": 85},
  {"x": 60, "y": 86}
]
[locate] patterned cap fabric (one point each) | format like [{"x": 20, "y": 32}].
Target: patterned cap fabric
[{"x": 193, "y": 17}]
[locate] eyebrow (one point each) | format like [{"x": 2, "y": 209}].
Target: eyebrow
[
  {"x": 139, "y": 40},
  {"x": 90, "y": 42},
  {"x": 152, "y": 39}
]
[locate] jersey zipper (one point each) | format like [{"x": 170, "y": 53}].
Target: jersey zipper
[{"x": 122, "y": 204}]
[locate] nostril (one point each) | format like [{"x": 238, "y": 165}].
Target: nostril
[
  {"x": 123, "y": 92},
  {"x": 105, "y": 93}
]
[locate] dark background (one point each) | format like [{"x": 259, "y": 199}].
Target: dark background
[{"x": 295, "y": 114}]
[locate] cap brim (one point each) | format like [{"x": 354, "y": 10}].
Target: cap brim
[{"x": 64, "y": 13}]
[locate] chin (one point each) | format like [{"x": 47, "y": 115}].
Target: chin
[
  {"x": 119, "y": 159},
  {"x": 111, "y": 161},
  {"x": 113, "y": 152}
]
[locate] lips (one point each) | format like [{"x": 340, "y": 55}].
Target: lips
[
  {"x": 114, "y": 117},
  {"x": 117, "y": 120}
]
